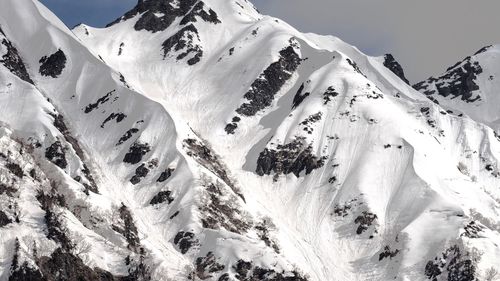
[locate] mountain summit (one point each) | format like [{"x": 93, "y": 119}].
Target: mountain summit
[{"x": 202, "y": 140}]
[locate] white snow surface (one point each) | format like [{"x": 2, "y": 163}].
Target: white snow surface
[{"x": 398, "y": 174}]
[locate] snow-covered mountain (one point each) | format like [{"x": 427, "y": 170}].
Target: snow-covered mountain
[{"x": 201, "y": 140}]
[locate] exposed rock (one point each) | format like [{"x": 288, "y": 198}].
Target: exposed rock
[
  {"x": 394, "y": 66},
  {"x": 294, "y": 157},
  {"x": 4, "y": 219},
  {"x": 140, "y": 173},
  {"x": 299, "y": 97},
  {"x": 199, "y": 11},
  {"x": 329, "y": 94},
  {"x": 128, "y": 134},
  {"x": 161, "y": 197},
  {"x": 53, "y": 65},
  {"x": 206, "y": 266},
  {"x": 231, "y": 128},
  {"x": 15, "y": 169},
  {"x": 355, "y": 66},
  {"x": 472, "y": 230},
  {"x": 156, "y": 16},
  {"x": 365, "y": 220},
  {"x": 263, "y": 90},
  {"x": 165, "y": 175},
  {"x": 99, "y": 102},
  {"x": 245, "y": 271},
  {"x": 8, "y": 190},
  {"x": 185, "y": 241},
  {"x": 454, "y": 263},
  {"x": 387, "y": 253},
  {"x": 12, "y": 60},
  {"x": 62, "y": 265},
  {"x": 459, "y": 81},
  {"x": 56, "y": 154},
  {"x": 118, "y": 116},
  {"x": 183, "y": 41},
  {"x": 136, "y": 152}
]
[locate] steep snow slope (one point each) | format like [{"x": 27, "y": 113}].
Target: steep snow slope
[{"x": 201, "y": 140}]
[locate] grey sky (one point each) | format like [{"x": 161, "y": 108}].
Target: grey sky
[{"x": 426, "y": 36}]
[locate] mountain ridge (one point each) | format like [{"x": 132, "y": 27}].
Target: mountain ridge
[{"x": 332, "y": 167}]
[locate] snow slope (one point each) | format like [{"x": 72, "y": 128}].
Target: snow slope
[{"x": 202, "y": 140}]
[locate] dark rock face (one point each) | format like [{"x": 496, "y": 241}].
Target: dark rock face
[
  {"x": 482, "y": 50},
  {"x": 165, "y": 175},
  {"x": 231, "y": 128},
  {"x": 114, "y": 116},
  {"x": 355, "y": 66},
  {"x": 62, "y": 265},
  {"x": 128, "y": 134},
  {"x": 293, "y": 157},
  {"x": 185, "y": 241},
  {"x": 329, "y": 94},
  {"x": 246, "y": 271},
  {"x": 365, "y": 220},
  {"x": 299, "y": 97},
  {"x": 208, "y": 265},
  {"x": 387, "y": 253},
  {"x": 473, "y": 230},
  {"x": 158, "y": 15},
  {"x": 458, "y": 266},
  {"x": 56, "y": 154},
  {"x": 207, "y": 158},
  {"x": 184, "y": 40},
  {"x": 53, "y": 65},
  {"x": 151, "y": 22},
  {"x": 4, "y": 219},
  {"x": 140, "y": 173},
  {"x": 8, "y": 190},
  {"x": 394, "y": 66},
  {"x": 161, "y": 197},
  {"x": 12, "y": 60},
  {"x": 199, "y": 11},
  {"x": 458, "y": 82},
  {"x": 136, "y": 152},
  {"x": 15, "y": 169},
  {"x": 263, "y": 90},
  {"x": 99, "y": 102}
]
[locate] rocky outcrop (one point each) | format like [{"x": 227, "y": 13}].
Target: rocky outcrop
[
  {"x": 53, "y": 65},
  {"x": 12, "y": 60},
  {"x": 291, "y": 158},
  {"x": 459, "y": 81},
  {"x": 184, "y": 42},
  {"x": 156, "y": 16},
  {"x": 394, "y": 66}
]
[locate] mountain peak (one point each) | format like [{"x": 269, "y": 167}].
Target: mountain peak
[{"x": 158, "y": 15}]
